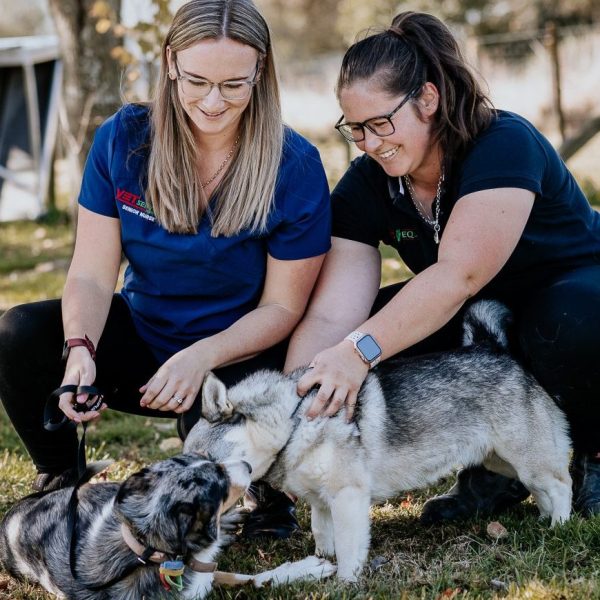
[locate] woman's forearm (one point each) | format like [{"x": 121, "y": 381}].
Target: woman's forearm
[
  {"x": 256, "y": 331},
  {"x": 85, "y": 306},
  {"x": 424, "y": 305}
]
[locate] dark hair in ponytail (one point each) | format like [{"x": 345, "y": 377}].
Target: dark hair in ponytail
[{"x": 418, "y": 48}]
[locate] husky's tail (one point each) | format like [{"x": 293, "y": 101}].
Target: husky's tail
[{"x": 487, "y": 322}]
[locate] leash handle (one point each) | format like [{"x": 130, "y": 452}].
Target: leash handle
[{"x": 54, "y": 418}]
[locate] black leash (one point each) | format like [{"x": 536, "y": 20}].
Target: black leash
[{"x": 55, "y": 419}]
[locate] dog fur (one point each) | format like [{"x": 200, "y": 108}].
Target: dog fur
[
  {"x": 174, "y": 506},
  {"x": 416, "y": 420}
]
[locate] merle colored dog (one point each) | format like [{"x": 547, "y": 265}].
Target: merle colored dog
[{"x": 159, "y": 528}]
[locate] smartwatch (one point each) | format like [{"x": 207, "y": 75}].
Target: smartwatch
[{"x": 366, "y": 347}]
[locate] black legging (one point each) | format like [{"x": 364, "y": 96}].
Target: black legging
[
  {"x": 557, "y": 327},
  {"x": 31, "y": 338},
  {"x": 557, "y": 335}
]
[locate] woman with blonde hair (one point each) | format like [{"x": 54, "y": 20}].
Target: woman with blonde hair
[{"x": 223, "y": 216}]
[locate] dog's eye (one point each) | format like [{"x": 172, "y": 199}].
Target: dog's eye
[{"x": 236, "y": 419}]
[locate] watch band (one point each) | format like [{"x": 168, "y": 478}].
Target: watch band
[
  {"x": 355, "y": 337},
  {"x": 73, "y": 342}
]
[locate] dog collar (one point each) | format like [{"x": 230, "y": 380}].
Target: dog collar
[
  {"x": 201, "y": 567},
  {"x": 160, "y": 557},
  {"x": 143, "y": 553}
]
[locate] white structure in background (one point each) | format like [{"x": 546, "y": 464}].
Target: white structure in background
[{"x": 30, "y": 83}]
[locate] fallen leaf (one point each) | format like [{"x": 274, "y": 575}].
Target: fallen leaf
[
  {"x": 407, "y": 502},
  {"x": 172, "y": 443},
  {"x": 260, "y": 553},
  {"x": 378, "y": 562},
  {"x": 496, "y": 530},
  {"x": 168, "y": 426},
  {"x": 496, "y": 584},
  {"x": 449, "y": 593}
]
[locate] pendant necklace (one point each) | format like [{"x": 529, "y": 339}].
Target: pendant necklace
[
  {"x": 222, "y": 166},
  {"x": 432, "y": 222}
]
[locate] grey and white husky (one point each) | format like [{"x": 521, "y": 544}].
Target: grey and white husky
[
  {"x": 171, "y": 511},
  {"x": 416, "y": 420}
]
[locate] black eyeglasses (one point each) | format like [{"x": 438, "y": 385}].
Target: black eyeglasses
[{"x": 380, "y": 126}]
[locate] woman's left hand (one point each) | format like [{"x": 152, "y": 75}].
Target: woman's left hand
[
  {"x": 176, "y": 384},
  {"x": 339, "y": 372}
]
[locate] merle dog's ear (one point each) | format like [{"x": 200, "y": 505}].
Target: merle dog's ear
[
  {"x": 211, "y": 529},
  {"x": 136, "y": 486},
  {"x": 215, "y": 403},
  {"x": 198, "y": 527},
  {"x": 208, "y": 517}
]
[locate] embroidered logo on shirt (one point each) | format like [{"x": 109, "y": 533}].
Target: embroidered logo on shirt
[
  {"x": 134, "y": 204},
  {"x": 401, "y": 235}
]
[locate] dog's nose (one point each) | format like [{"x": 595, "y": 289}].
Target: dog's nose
[{"x": 248, "y": 466}]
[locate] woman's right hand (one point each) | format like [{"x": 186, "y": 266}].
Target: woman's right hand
[
  {"x": 178, "y": 381},
  {"x": 80, "y": 370},
  {"x": 338, "y": 372}
]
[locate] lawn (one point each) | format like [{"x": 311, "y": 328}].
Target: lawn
[{"x": 407, "y": 560}]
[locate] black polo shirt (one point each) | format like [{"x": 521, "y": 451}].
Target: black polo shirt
[{"x": 562, "y": 232}]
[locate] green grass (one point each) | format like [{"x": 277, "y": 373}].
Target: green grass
[
  {"x": 34, "y": 259},
  {"x": 407, "y": 561}
]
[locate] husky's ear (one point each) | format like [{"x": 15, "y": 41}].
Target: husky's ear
[{"x": 215, "y": 404}]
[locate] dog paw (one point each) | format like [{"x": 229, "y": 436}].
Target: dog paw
[
  {"x": 231, "y": 523},
  {"x": 234, "y": 517},
  {"x": 320, "y": 568},
  {"x": 311, "y": 567},
  {"x": 325, "y": 551}
]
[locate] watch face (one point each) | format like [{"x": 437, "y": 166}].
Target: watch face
[{"x": 368, "y": 348}]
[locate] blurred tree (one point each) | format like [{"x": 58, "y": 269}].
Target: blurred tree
[
  {"x": 302, "y": 27},
  {"x": 93, "y": 38},
  {"x": 91, "y": 77}
]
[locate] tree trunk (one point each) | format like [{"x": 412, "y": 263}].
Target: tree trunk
[{"x": 91, "y": 76}]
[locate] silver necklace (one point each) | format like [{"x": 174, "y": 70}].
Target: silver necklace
[
  {"x": 222, "y": 166},
  {"x": 432, "y": 222}
]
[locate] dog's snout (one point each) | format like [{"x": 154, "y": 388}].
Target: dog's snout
[{"x": 248, "y": 466}]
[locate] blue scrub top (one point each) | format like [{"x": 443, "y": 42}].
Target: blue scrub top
[{"x": 184, "y": 287}]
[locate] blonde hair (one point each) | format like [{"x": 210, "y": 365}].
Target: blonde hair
[{"x": 245, "y": 194}]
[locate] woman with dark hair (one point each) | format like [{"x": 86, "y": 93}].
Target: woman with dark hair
[
  {"x": 223, "y": 215},
  {"x": 478, "y": 204}
]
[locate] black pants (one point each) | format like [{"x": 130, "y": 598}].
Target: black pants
[
  {"x": 556, "y": 336},
  {"x": 31, "y": 337}
]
